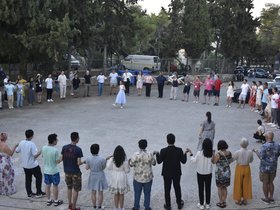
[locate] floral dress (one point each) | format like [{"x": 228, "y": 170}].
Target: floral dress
[
  {"x": 223, "y": 173},
  {"x": 7, "y": 175}
]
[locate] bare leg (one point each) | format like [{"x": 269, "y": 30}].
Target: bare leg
[
  {"x": 75, "y": 198},
  {"x": 116, "y": 200},
  {"x": 121, "y": 200},
  {"x": 55, "y": 192},
  {"x": 69, "y": 195},
  {"x": 100, "y": 198},
  {"x": 220, "y": 194},
  {"x": 265, "y": 189},
  {"x": 271, "y": 190},
  {"x": 48, "y": 191},
  {"x": 93, "y": 197}
]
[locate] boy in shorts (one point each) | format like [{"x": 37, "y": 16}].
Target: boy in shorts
[
  {"x": 51, "y": 173},
  {"x": 71, "y": 156}
]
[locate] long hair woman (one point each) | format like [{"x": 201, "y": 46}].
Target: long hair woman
[
  {"x": 207, "y": 130},
  {"x": 118, "y": 184}
]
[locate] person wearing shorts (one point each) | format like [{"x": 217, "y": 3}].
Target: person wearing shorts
[
  {"x": 217, "y": 87},
  {"x": 268, "y": 154},
  {"x": 113, "y": 82},
  {"x": 208, "y": 84},
  {"x": 51, "y": 158},
  {"x": 71, "y": 157},
  {"x": 243, "y": 95},
  {"x": 197, "y": 83}
]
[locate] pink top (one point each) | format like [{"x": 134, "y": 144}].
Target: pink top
[{"x": 208, "y": 84}]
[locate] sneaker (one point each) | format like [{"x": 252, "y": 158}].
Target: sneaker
[
  {"x": 257, "y": 111},
  {"x": 200, "y": 206},
  {"x": 166, "y": 207},
  {"x": 229, "y": 106},
  {"x": 31, "y": 195},
  {"x": 265, "y": 201},
  {"x": 121, "y": 107},
  {"x": 40, "y": 195},
  {"x": 273, "y": 125},
  {"x": 272, "y": 201},
  {"x": 181, "y": 204},
  {"x": 269, "y": 123},
  {"x": 51, "y": 100},
  {"x": 114, "y": 105},
  {"x": 207, "y": 206}
]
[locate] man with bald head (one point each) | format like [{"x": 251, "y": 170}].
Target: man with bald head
[{"x": 268, "y": 154}]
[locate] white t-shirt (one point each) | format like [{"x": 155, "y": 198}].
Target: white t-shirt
[
  {"x": 204, "y": 164},
  {"x": 101, "y": 78},
  {"x": 245, "y": 88},
  {"x": 126, "y": 76},
  {"x": 113, "y": 77},
  {"x": 49, "y": 84},
  {"x": 259, "y": 91},
  {"x": 274, "y": 101},
  {"x": 27, "y": 149}
]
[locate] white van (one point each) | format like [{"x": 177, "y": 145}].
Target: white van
[{"x": 141, "y": 62}]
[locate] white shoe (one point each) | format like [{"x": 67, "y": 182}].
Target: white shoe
[
  {"x": 269, "y": 123},
  {"x": 200, "y": 206},
  {"x": 207, "y": 206},
  {"x": 114, "y": 105},
  {"x": 273, "y": 125},
  {"x": 51, "y": 100},
  {"x": 257, "y": 111},
  {"x": 121, "y": 107}
]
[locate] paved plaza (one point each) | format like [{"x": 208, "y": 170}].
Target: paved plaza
[{"x": 97, "y": 121}]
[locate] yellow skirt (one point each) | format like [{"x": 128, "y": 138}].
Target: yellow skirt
[{"x": 242, "y": 183}]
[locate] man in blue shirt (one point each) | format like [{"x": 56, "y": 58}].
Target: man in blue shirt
[
  {"x": 264, "y": 97},
  {"x": 268, "y": 154},
  {"x": 160, "y": 81}
]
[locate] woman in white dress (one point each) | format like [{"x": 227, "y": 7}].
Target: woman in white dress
[
  {"x": 118, "y": 184},
  {"x": 230, "y": 93},
  {"x": 121, "y": 98},
  {"x": 139, "y": 83}
]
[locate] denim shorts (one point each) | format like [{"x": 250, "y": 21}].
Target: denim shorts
[{"x": 52, "y": 179}]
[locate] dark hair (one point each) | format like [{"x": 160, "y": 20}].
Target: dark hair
[
  {"x": 52, "y": 138},
  {"x": 74, "y": 136},
  {"x": 119, "y": 156},
  {"x": 232, "y": 83},
  {"x": 208, "y": 115},
  {"x": 245, "y": 80},
  {"x": 94, "y": 149},
  {"x": 29, "y": 133},
  {"x": 260, "y": 82},
  {"x": 259, "y": 122},
  {"x": 254, "y": 83},
  {"x": 275, "y": 89},
  {"x": 170, "y": 138},
  {"x": 207, "y": 148},
  {"x": 270, "y": 91},
  {"x": 222, "y": 145},
  {"x": 142, "y": 144}
]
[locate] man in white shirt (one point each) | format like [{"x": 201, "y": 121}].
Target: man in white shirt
[
  {"x": 29, "y": 153},
  {"x": 62, "y": 85},
  {"x": 101, "y": 79},
  {"x": 126, "y": 79},
  {"x": 243, "y": 95},
  {"x": 274, "y": 106},
  {"x": 113, "y": 82},
  {"x": 49, "y": 86}
]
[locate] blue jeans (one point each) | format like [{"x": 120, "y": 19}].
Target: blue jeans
[
  {"x": 100, "y": 88},
  {"x": 19, "y": 100},
  {"x": 138, "y": 186}
]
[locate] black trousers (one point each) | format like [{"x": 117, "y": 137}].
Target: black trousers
[
  {"x": 49, "y": 94},
  {"x": 127, "y": 84},
  {"x": 160, "y": 90},
  {"x": 148, "y": 89},
  {"x": 36, "y": 172},
  {"x": 204, "y": 182},
  {"x": 177, "y": 188},
  {"x": 278, "y": 116}
]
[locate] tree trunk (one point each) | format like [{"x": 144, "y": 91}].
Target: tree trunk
[{"x": 104, "y": 59}]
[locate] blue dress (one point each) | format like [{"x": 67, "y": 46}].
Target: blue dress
[
  {"x": 97, "y": 179},
  {"x": 121, "y": 98}
]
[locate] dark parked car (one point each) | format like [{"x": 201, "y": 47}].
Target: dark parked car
[
  {"x": 261, "y": 73},
  {"x": 239, "y": 75},
  {"x": 236, "y": 96}
]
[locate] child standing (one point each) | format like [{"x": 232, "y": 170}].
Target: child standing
[
  {"x": 97, "y": 180},
  {"x": 121, "y": 98},
  {"x": 10, "y": 94},
  {"x": 118, "y": 183},
  {"x": 51, "y": 173}
]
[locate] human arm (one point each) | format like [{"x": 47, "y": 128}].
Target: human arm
[
  {"x": 257, "y": 153},
  {"x": 80, "y": 162}
]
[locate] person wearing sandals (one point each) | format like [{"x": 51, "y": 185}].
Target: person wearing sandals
[
  {"x": 97, "y": 181},
  {"x": 268, "y": 155},
  {"x": 204, "y": 159},
  {"x": 222, "y": 159},
  {"x": 242, "y": 188},
  {"x": 51, "y": 158}
]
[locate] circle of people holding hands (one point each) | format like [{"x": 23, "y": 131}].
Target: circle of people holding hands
[{"x": 171, "y": 157}]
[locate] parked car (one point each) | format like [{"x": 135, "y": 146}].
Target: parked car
[
  {"x": 261, "y": 73},
  {"x": 75, "y": 63},
  {"x": 239, "y": 75},
  {"x": 242, "y": 69},
  {"x": 275, "y": 83}
]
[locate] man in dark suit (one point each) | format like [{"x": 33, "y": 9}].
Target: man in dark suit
[{"x": 171, "y": 157}]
